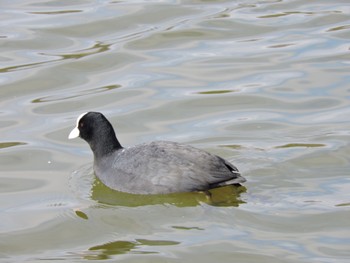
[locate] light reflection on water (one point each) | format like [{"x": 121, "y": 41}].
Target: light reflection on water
[{"x": 261, "y": 83}]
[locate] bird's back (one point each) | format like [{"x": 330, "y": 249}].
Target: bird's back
[{"x": 164, "y": 167}]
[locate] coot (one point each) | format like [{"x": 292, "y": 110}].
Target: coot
[{"x": 159, "y": 167}]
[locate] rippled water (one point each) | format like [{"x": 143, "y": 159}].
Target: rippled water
[{"x": 261, "y": 83}]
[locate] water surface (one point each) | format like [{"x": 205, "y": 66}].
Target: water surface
[{"x": 263, "y": 84}]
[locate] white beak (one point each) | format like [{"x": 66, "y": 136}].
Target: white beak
[{"x": 74, "y": 133}]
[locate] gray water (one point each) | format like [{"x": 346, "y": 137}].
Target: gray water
[{"x": 264, "y": 84}]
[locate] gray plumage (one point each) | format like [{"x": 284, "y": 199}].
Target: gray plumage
[{"x": 158, "y": 167}]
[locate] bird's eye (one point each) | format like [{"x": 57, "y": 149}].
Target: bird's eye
[{"x": 81, "y": 124}]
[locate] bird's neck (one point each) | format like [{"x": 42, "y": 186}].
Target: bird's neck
[{"x": 105, "y": 145}]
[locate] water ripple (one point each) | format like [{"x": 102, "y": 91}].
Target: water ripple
[{"x": 261, "y": 83}]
